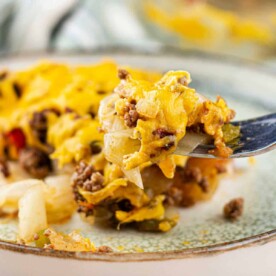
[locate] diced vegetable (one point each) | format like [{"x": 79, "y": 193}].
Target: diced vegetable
[{"x": 230, "y": 132}]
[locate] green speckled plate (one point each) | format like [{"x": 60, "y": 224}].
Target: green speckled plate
[{"x": 250, "y": 89}]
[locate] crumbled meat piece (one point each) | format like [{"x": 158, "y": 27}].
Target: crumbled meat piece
[
  {"x": 68, "y": 110},
  {"x": 95, "y": 147},
  {"x": 4, "y": 169},
  {"x": 87, "y": 210},
  {"x": 204, "y": 185},
  {"x": 161, "y": 133},
  {"x": 174, "y": 196},
  {"x": 183, "y": 81},
  {"x": 131, "y": 116},
  {"x": 197, "y": 128},
  {"x": 104, "y": 249},
  {"x": 39, "y": 126},
  {"x": 47, "y": 232},
  {"x": 87, "y": 178},
  {"x": 221, "y": 168},
  {"x": 125, "y": 205},
  {"x": 123, "y": 74},
  {"x": 35, "y": 162},
  {"x": 129, "y": 106},
  {"x": 168, "y": 146},
  {"x": 182, "y": 192},
  {"x": 39, "y": 123},
  {"x": 233, "y": 209},
  {"x": 95, "y": 182},
  {"x": 187, "y": 202},
  {"x": 92, "y": 114},
  {"x": 193, "y": 174},
  {"x": 17, "y": 90},
  {"x": 101, "y": 92}
]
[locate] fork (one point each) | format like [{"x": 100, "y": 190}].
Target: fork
[{"x": 257, "y": 136}]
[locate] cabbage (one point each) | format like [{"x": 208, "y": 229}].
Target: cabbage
[
  {"x": 190, "y": 142},
  {"x": 32, "y": 213},
  {"x": 59, "y": 198},
  {"x": 10, "y": 194},
  {"x": 106, "y": 112},
  {"x": 134, "y": 176},
  {"x": 117, "y": 145},
  {"x": 38, "y": 202}
]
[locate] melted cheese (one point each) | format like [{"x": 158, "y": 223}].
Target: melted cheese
[{"x": 164, "y": 110}]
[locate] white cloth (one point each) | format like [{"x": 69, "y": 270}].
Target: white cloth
[{"x": 28, "y": 25}]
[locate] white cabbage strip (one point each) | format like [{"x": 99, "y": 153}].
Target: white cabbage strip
[{"x": 38, "y": 202}]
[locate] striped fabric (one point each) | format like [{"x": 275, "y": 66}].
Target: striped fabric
[
  {"x": 35, "y": 25},
  {"x": 27, "y": 25}
]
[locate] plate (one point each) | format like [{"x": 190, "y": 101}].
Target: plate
[{"x": 250, "y": 89}]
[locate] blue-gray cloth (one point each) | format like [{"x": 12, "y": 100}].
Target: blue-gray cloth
[{"x": 28, "y": 25}]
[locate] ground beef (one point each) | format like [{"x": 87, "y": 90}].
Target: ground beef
[
  {"x": 86, "y": 177},
  {"x": 4, "y": 169},
  {"x": 174, "y": 196},
  {"x": 95, "y": 182},
  {"x": 104, "y": 249},
  {"x": 168, "y": 146},
  {"x": 125, "y": 205},
  {"x": 101, "y": 92},
  {"x": 39, "y": 124},
  {"x": 122, "y": 74},
  {"x": 35, "y": 162},
  {"x": 182, "y": 192},
  {"x": 204, "y": 184},
  {"x": 197, "y": 128},
  {"x": 221, "y": 168},
  {"x": 233, "y": 209},
  {"x": 95, "y": 147},
  {"x": 194, "y": 174},
  {"x": 131, "y": 116},
  {"x": 17, "y": 90},
  {"x": 161, "y": 133},
  {"x": 183, "y": 81}
]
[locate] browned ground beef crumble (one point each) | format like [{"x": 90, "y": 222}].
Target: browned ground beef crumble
[{"x": 234, "y": 208}]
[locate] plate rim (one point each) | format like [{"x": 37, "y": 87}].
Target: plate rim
[
  {"x": 210, "y": 250},
  {"x": 156, "y": 50}
]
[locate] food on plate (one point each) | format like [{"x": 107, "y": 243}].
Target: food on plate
[
  {"x": 150, "y": 118},
  {"x": 100, "y": 140},
  {"x": 233, "y": 209},
  {"x": 206, "y": 25}
]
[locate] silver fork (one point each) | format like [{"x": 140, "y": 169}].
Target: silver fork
[{"x": 257, "y": 136}]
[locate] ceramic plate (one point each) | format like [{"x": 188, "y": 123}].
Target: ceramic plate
[{"x": 250, "y": 90}]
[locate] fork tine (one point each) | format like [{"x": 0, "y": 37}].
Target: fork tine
[{"x": 258, "y": 135}]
